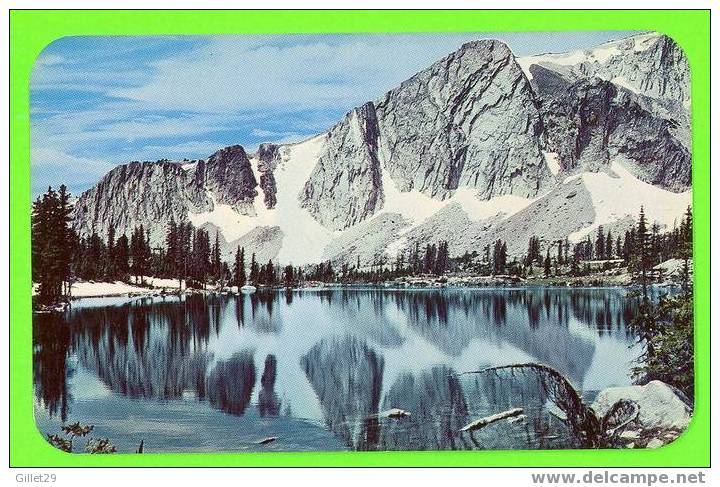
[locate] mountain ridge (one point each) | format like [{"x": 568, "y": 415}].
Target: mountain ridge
[{"x": 479, "y": 130}]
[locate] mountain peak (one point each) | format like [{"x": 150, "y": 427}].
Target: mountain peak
[
  {"x": 485, "y": 45},
  {"x": 231, "y": 154},
  {"x": 650, "y": 64}
]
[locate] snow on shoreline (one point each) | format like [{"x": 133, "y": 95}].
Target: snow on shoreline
[{"x": 89, "y": 289}]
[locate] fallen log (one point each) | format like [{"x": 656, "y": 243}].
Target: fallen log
[
  {"x": 267, "y": 440},
  {"x": 482, "y": 422}
]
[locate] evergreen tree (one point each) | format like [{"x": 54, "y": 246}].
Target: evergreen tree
[
  {"x": 186, "y": 246},
  {"x": 655, "y": 245},
  {"x": 628, "y": 246},
  {"x": 269, "y": 274},
  {"x": 503, "y": 257},
  {"x": 399, "y": 264},
  {"x": 172, "y": 252},
  {"x": 122, "y": 257},
  {"x": 547, "y": 263},
  {"x": 200, "y": 257},
  {"x": 289, "y": 276},
  {"x": 429, "y": 260},
  {"x": 239, "y": 278},
  {"x": 139, "y": 254},
  {"x": 600, "y": 244},
  {"x": 216, "y": 259},
  {"x": 643, "y": 250},
  {"x": 254, "y": 270},
  {"x": 67, "y": 240},
  {"x": 560, "y": 260},
  {"x": 328, "y": 272},
  {"x": 111, "y": 267},
  {"x": 95, "y": 257},
  {"x": 533, "y": 252},
  {"x": 499, "y": 257},
  {"x": 687, "y": 230},
  {"x": 416, "y": 259},
  {"x": 442, "y": 258},
  {"x": 53, "y": 244}
]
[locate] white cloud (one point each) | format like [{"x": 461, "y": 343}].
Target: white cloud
[
  {"x": 265, "y": 133},
  {"x": 229, "y": 74},
  {"x": 122, "y": 122},
  {"x": 52, "y": 167},
  {"x": 47, "y": 158}
]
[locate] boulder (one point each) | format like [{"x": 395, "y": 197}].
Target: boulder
[
  {"x": 662, "y": 407},
  {"x": 655, "y": 443}
]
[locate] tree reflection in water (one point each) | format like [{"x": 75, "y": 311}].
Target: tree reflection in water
[
  {"x": 268, "y": 401},
  {"x": 343, "y": 366},
  {"x": 51, "y": 341}
]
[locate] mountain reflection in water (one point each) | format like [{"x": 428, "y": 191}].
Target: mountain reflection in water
[{"x": 320, "y": 369}]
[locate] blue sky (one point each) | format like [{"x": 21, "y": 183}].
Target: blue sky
[{"x": 101, "y": 101}]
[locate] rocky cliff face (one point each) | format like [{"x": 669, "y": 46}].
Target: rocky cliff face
[
  {"x": 346, "y": 187},
  {"x": 590, "y": 122},
  {"x": 268, "y": 156},
  {"x": 625, "y": 99},
  {"x": 650, "y": 64},
  {"x": 139, "y": 193},
  {"x": 153, "y": 193},
  {"x": 228, "y": 175},
  {"x": 468, "y": 120},
  {"x": 653, "y": 64}
]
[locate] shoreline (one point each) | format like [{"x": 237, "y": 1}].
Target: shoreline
[{"x": 99, "y": 290}]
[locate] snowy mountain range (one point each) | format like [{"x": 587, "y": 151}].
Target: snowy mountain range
[{"x": 477, "y": 147}]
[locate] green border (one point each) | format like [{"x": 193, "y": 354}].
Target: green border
[{"x": 31, "y": 31}]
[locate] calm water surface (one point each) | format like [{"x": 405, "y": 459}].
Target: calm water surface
[{"x": 317, "y": 369}]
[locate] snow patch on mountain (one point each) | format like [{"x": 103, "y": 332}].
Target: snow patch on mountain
[
  {"x": 616, "y": 196},
  {"x": 222, "y": 216},
  {"x": 600, "y": 54},
  {"x": 188, "y": 166},
  {"x": 417, "y": 207},
  {"x": 553, "y": 162},
  {"x": 304, "y": 238}
]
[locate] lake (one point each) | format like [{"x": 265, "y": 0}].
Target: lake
[{"x": 318, "y": 369}]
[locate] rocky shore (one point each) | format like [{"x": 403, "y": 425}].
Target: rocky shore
[{"x": 663, "y": 413}]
